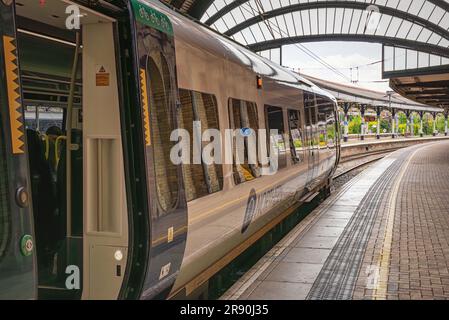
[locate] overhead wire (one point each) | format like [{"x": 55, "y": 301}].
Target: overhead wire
[{"x": 281, "y": 32}]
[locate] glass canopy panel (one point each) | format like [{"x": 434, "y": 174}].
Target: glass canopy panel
[
  {"x": 255, "y": 21},
  {"x": 400, "y": 59},
  {"x": 248, "y": 9}
]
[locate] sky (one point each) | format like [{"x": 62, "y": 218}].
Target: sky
[{"x": 342, "y": 56}]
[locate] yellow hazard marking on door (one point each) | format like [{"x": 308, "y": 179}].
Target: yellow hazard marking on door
[
  {"x": 146, "y": 113},
  {"x": 12, "y": 81},
  {"x": 380, "y": 290}
]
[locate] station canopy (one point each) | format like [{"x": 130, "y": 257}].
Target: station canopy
[
  {"x": 414, "y": 33},
  {"x": 265, "y": 24}
]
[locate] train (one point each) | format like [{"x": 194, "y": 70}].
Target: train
[{"x": 133, "y": 207}]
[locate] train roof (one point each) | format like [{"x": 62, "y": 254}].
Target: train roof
[{"x": 205, "y": 38}]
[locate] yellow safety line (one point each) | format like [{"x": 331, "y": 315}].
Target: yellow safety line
[{"x": 380, "y": 291}]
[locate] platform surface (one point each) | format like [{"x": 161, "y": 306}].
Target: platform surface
[{"x": 383, "y": 235}]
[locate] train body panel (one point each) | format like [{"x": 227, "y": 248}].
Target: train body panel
[{"x": 209, "y": 63}]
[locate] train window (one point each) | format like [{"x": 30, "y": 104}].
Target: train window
[
  {"x": 244, "y": 120},
  {"x": 199, "y": 179},
  {"x": 295, "y": 130},
  {"x": 275, "y": 121},
  {"x": 41, "y": 118},
  {"x": 161, "y": 127}
]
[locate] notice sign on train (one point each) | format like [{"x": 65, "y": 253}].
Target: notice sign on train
[{"x": 102, "y": 77}]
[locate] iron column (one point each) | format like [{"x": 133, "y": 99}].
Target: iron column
[
  {"x": 378, "y": 112},
  {"x": 362, "y": 127},
  {"x": 393, "y": 122}
]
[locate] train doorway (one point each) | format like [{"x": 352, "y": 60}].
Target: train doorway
[{"x": 71, "y": 100}]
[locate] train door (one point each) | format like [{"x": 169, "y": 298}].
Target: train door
[
  {"x": 77, "y": 171},
  {"x": 324, "y": 116},
  {"x": 311, "y": 133},
  {"x": 17, "y": 253},
  {"x": 155, "y": 63},
  {"x": 337, "y": 134},
  {"x": 296, "y": 135}
]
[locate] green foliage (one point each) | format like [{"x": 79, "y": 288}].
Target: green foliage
[
  {"x": 372, "y": 126},
  {"x": 402, "y": 128},
  {"x": 355, "y": 125}
]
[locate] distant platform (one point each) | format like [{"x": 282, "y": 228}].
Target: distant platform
[{"x": 383, "y": 235}]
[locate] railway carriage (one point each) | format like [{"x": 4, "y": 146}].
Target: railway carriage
[{"x": 113, "y": 216}]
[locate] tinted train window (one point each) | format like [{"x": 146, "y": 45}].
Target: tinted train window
[
  {"x": 199, "y": 179},
  {"x": 244, "y": 120},
  {"x": 162, "y": 125},
  {"x": 275, "y": 121},
  {"x": 42, "y": 118},
  {"x": 295, "y": 130}
]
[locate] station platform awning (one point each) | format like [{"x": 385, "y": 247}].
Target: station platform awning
[{"x": 351, "y": 94}]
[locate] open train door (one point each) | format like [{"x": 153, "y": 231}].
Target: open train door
[
  {"x": 154, "y": 50},
  {"x": 18, "y": 278}
]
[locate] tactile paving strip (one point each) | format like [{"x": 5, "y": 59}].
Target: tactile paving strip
[{"x": 338, "y": 277}]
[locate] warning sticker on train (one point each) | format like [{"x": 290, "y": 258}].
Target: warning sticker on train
[{"x": 102, "y": 77}]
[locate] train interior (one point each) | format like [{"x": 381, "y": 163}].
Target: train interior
[{"x": 79, "y": 201}]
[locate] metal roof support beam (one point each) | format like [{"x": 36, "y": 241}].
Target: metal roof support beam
[
  {"x": 225, "y": 10},
  {"x": 199, "y": 7},
  {"x": 339, "y": 4},
  {"x": 425, "y": 47},
  {"x": 434, "y": 84}
]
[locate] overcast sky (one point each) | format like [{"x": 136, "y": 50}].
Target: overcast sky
[{"x": 342, "y": 56}]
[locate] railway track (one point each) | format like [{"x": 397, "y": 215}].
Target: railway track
[{"x": 353, "y": 162}]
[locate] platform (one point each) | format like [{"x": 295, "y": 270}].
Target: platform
[{"x": 383, "y": 235}]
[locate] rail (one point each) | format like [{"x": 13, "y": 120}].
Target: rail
[{"x": 355, "y": 155}]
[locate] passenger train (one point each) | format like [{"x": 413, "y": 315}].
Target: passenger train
[{"x": 114, "y": 217}]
